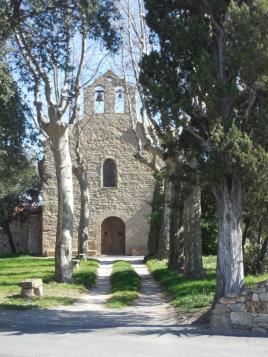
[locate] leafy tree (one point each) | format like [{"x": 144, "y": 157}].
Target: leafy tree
[
  {"x": 255, "y": 224},
  {"x": 17, "y": 175},
  {"x": 43, "y": 36},
  {"x": 18, "y": 186},
  {"x": 13, "y": 121},
  {"x": 209, "y": 78}
]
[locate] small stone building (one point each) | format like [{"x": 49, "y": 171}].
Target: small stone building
[{"x": 121, "y": 187}]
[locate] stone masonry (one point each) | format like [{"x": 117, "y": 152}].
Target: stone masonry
[
  {"x": 26, "y": 235},
  {"x": 108, "y": 135},
  {"x": 247, "y": 310}
]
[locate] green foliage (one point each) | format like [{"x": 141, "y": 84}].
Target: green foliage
[
  {"x": 256, "y": 257},
  {"x": 190, "y": 294},
  {"x": 246, "y": 42},
  {"x": 17, "y": 173},
  {"x": 13, "y": 114},
  {"x": 19, "y": 188},
  {"x": 157, "y": 203},
  {"x": 125, "y": 285},
  {"x": 234, "y": 154},
  {"x": 209, "y": 230},
  {"x": 186, "y": 294},
  {"x": 209, "y": 222},
  {"x": 251, "y": 259},
  {"x": 86, "y": 276},
  {"x": 255, "y": 224},
  {"x": 17, "y": 268},
  {"x": 209, "y": 77}
]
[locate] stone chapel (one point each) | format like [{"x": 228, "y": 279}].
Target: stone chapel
[{"x": 120, "y": 187}]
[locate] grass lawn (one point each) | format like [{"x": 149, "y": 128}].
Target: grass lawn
[
  {"x": 125, "y": 285},
  {"x": 15, "y": 269},
  {"x": 189, "y": 294}
]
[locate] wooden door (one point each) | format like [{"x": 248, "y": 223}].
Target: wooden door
[{"x": 113, "y": 236}]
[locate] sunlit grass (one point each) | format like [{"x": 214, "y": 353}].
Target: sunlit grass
[
  {"x": 252, "y": 280},
  {"x": 125, "y": 285},
  {"x": 15, "y": 269},
  {"x": 188, "y": 294}
]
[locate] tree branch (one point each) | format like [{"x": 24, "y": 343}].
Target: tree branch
[
  {"x": 252, "y": 97},
  {"x": 77, "y": 88},
  {"x": 220, "y": 40},
  {"x": 42, "y": 120},
  {"x": 24, "y": 46}
]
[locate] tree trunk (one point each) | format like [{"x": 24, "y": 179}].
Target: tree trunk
[
  {"x": 173, "y": 220},
  {"x": 163, "y": 245},
  {"x": 10, "y": 238},
  {"x": 60, "y": 148},
  {"x": 259, "y": 233},
  {"x": 155, "y": 225},
  {"x": 193, "y": 266},
  {"x": 83, "y": 179},
  {"x": 230, "y": 270},
  {"x": 176, "y": 258},
  {"x": 261, "y": 255},
  {"x": 245, "y": 233}
]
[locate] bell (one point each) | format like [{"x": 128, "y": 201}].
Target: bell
[
  {"x": 120, "y": 94},
  {"x": 99, "y": 97}
]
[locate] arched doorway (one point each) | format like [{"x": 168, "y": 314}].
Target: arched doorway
[{"x": 113, "y": 236}]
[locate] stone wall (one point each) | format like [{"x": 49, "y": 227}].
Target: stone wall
[
  {"x": 27, "y": 235},
  {"x": 106, "y": 135},
  {"x": 247, "y": 310}
]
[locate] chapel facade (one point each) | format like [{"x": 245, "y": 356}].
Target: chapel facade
[{"x": 120, "y": 186}]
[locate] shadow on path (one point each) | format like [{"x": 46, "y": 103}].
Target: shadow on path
[
  {"x": 63, "y": 322},
  {"x": 149, "y": 316}
]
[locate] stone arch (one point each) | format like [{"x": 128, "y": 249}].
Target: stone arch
[
  {"x": 113, "y": 236},
  {"x": 109, "y": 173},
  {"x": 99, "y": 99}
]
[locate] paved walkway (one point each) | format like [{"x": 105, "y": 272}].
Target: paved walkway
[{"x": 88, "y": 328}]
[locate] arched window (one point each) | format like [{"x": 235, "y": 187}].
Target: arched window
[
  {"x": 109, "y": 173},
  {"x": 99, "y": 100},
  {"x": 119, "y": 100}
]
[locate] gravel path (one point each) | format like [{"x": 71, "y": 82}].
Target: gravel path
[{"x": 152, "y": 304}]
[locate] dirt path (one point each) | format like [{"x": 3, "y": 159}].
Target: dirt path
[{"x": 152, "y": 303}]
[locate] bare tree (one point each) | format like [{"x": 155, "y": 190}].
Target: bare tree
[
  {"x": 46, "y": 37},
  {"x": 150, "y": 152}
]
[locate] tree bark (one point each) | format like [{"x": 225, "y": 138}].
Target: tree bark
[
  {"x": 83, "y": 179},
  {"x": 230, "y": 270},
  {"x": 261, "y": 255},
  {"x": 163, "y": 245},
  {"x": 59, "y": 135},
  {"x": 10, "y": 238},
  {"x": 193, "y": 266},
  {"x": 173, "y": 220},
  {"x": 245, "y": 233},
  {"x": 176, "y": 258},
  {"x": 155, "y": 225}
]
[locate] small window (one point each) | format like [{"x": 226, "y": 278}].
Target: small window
[
  {"x": 99, "y": 100},
  {"x": 119, "y": 100},
  {"x": 109, "y": 173}
]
